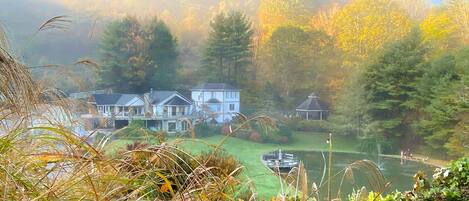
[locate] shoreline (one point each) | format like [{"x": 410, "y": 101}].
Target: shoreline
[{"x": 421, "y": 159}]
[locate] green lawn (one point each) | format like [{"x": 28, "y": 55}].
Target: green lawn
[{"x": 248, "y": 153}]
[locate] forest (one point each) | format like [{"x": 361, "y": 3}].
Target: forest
[{"x": 391, "y": 71}]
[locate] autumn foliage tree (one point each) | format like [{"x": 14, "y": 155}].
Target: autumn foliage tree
[
  {"x": 448, "y": 27},
  {"x": 276, "y": 13},
  {"x": 364, "y": 26}
]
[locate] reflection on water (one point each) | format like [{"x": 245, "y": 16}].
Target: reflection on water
[{"x": 399, "y": 175}]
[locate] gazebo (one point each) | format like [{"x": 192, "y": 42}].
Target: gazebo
[{"x": 312, "y": 109}]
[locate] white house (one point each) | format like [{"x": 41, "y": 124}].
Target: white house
[
  {"x": 218, "y": 102},
  {"x": 169, "y": 110},
  {"x": 118, "y": 105},
  {"x": 160, "y": 110}
]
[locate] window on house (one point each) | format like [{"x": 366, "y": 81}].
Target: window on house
[
  {"x": 184, "y": 126},
  {"x": 182, "y": 110},
  {"x": 100, "y": 108},
  {"x": 173, "y": 111},
  {"x": 232, "y": 107},
  {"x": 213, "y": 94},
  {"x": 171, "y": 126}
]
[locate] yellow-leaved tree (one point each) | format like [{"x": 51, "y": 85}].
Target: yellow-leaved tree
[
  {"x": 322, "y": 20},
  {"x": 438, "y": 29},
  {"x": 448, "y": 27},
  {"x": 415, "y": 9},
  {"x": 458, "y": 11},
  {"x": 364, "y": 26},
  {"x": 276, "y": 13}
]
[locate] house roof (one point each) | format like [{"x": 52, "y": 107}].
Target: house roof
[
  {"x": 106, "y": 99},
  {"x": 312, "y": 104},
  {"x": 158, "y": 96},
  {"x": 114, "y": 99},
  {"x": 176, "y": 100},
  {"x": 214, "y": 86}
]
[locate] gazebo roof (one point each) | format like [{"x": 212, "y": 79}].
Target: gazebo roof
[{"x": 312, "y": 104}]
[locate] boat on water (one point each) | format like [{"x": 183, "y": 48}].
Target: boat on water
[{"x": 280, "y": 161}]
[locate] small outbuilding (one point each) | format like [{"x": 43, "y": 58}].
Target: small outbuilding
[{"x": 312, "y": 109}]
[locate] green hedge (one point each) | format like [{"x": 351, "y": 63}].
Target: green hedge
[
  {"x": 257, "y": 133},
  {"x": 299, "y": 124},
  {"x": 135, "y": 130}
]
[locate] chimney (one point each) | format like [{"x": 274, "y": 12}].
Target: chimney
[{"x": 147, "y": 108}]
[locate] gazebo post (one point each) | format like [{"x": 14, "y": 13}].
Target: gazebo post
[
  {"x": 307, "y": 115},
  {"x": 320, "y": 115}
]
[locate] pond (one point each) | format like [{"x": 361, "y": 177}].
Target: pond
[{"x": 399, "y": 175}]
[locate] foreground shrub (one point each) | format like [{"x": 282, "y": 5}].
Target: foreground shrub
[
  {"x": 221, "y": 164},
  {"x": 449, "y": 184}
]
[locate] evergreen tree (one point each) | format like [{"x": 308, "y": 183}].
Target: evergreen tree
[
  {"x": 441, "y": 93},
  {"x": 162, "y": 48},
  {"x": 136, "y": 58},
  {"x": 350, "y": 117},
  {"x": 126, "y": 66},
  {"x": 228, "y": 52},
  {"x": 390, "y": 85}
]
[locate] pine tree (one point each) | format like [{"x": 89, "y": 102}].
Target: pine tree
[
  {"x": 441, "y": 93},
  {"x": 228, "y": 52},
  {"x": 136, "y": 58},
  {"x": 126, "y": 66},
  {"x": 390, "y": 84},
  {"x": 162, "y": 48}
]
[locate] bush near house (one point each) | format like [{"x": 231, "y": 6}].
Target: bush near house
[
  {"x": 205, "y": 129},
  {"x": 299, "y": 124},
  {"x": 135, "y": 130},
  {"x": 257, "y": 133}
]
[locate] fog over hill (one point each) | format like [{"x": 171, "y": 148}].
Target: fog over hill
[{"x": 188, "y": 19}]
